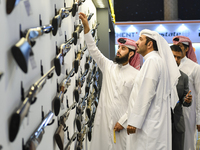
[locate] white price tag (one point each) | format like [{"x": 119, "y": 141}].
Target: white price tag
[
  {"x": 27, "y": 123},
  {"x": 62, "y": 106},
  {"x": 65, "y": 138},
  {"x": 33, "y": 63},
  {"x": 63, "y": 68},
  {"x": 28, "y": 7},
  {"x": 60, "y": 31}
]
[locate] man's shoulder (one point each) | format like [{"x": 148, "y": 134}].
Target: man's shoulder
[
  {"x": 192, "y": 63},
  {"x": 130, "y": 73},
  {"x": 154, "y": 66},
  {"x": 153, "y": 61},
  {"x": 111, "y": 64},
  {"x": 133, "y": 70},
  {"x": 154, "y": 56}
]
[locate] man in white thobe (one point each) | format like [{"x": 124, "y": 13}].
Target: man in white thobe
[
  {"x": 118, "y": 80},
  {"x": 154, "y": 92},
  {"x": 191, "y": 114}
]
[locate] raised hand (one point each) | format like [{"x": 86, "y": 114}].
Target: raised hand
[{"x": 84, "y": 20}]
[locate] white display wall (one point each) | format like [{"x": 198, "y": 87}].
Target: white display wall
[{"x": 45, "y": 51}]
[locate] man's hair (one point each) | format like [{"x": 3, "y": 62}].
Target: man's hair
[
  {"x": 155, "y": 47},
  {"x": 185, "y": 46},
  {"x": 176, "y": 48}
]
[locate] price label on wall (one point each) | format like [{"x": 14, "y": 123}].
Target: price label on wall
[{"x": 28, "y": 7}]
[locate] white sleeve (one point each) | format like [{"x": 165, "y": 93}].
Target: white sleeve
[
  {"x": 99, "y": 58},
  {"x": 142, "y": 103},
  {"x": 123, "y": 120}
]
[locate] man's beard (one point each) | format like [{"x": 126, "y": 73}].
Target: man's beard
[{"x": 122, "y": 59}]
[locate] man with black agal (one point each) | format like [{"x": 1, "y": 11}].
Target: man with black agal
[{"x": 118, "y": 80}]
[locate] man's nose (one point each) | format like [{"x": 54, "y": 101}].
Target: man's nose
[
  {"x": 176, "y": 59},
  {"x": 118, "y": 51},
  {"x": 136, "y": 42}
]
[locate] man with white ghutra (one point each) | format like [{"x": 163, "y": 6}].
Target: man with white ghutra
[{"x": 153, "y": 94}]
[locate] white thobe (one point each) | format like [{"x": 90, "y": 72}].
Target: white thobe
[
  {"x": 192, "y": 113},
  {"x": 117, "y": 84},
  {"x": 149, "y": 108}
]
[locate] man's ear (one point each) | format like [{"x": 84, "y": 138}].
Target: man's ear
[
  {"x": 131, "y": 53},
  {"x": 150, "y": 44},
  {"x": 187, "y": 49}
]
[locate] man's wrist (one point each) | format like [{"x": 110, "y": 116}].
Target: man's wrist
[{"x": 86, "y": 30}]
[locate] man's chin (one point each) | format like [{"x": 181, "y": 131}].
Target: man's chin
[{"x": 138, "y": 51}]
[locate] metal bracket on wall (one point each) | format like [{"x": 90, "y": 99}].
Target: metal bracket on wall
[
  {"x": 57, "y": 49},
  {"x": 23, "y": 146},
  {"x": 65, "y": 36},
  {"x": 40, "y": 20},
  {"x": 58, "y": 87},
  {"x": 1, "y": 74},
  {"x": 21, "y": 34},
  {"x": 55, "y": 10},
  {"x": 22, "y": 92},
  {"x": 64, "y": 3},
  {"x": 49, "y": 124},
  {"x": 41, "y": 68}
]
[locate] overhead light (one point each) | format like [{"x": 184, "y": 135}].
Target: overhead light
[
  {"x": 105, "y": 4},
  {"x": 161, "y": 28},
  {"x": 100, "y": 3},
  {"x": 117, "y": 29},
  {"x": 131, "y": 29},
  {"x": 182, "y": 28}
]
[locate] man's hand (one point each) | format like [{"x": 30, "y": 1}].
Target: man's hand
[
  {"x": 188, "y": 98},
  {"x": 118, "y": 127},
  {"x": 131, "y": 129},
  {"x": 84, "y": 20},
  {"x": 198, "y": 128}
]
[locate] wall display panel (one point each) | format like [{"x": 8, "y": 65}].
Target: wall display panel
[
  {"x": 168, "y": 30},
  {"x": 35, "y": 97}
]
